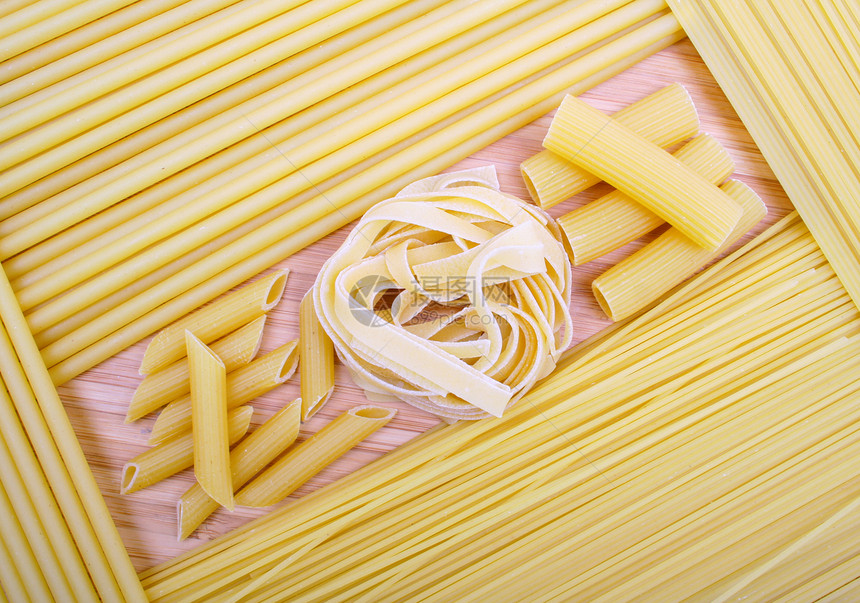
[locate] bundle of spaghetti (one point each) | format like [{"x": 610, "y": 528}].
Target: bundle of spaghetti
[
  {"x": 94, "y": 171},
  {"x": 14, "y": 227},
  {"x": 766, "y": 56},
  {"x": 345, "y": 201},
  {"x": 95, "y": 43},
  {"x": 321, "y": 156},
  {"x": 656, "y": 430},
  {"x": 411, "y": 570},
  {"x": 435, "y": 29},
  {"x": 165, "y": 98},
  {"x": 49, "y": 483}
]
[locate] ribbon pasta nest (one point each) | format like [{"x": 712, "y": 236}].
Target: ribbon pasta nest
[{"x": 451, "y": 296}]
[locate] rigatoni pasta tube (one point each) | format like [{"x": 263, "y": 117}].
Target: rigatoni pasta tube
[
  {"x": 316, "y": 356},
  {"x": 215, "y": 320},
  {"x": 665, "y": 117},
  {"x": 644, "y": 276},
  {"x": 243, "y": 385},
  {"x": 210, "y": 431},
  {"x": 169, "y": 458},
  {"x": 615, "y": 219},
  {"x": 314, "y": 454},
  {"x": 247, "y": 458},
  {"x": 642, "y": 170},
  {"x": 159, "y": 388}
]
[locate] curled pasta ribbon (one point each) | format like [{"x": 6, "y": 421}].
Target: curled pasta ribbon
[{"x": 451, "y": 296}]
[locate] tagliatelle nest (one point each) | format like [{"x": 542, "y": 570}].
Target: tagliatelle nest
[{"x": 451, "y": 296}]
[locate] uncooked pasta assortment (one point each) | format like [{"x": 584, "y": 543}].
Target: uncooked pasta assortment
[{"x": 162, "y": 161}]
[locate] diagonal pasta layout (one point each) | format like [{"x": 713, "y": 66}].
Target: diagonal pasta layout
[{"x": 155, "y": 155}]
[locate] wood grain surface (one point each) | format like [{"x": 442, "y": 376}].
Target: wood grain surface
[{"x": 96, "y": 401}]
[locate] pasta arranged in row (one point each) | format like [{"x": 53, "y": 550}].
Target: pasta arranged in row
[
  {"x": 206, "y": 416},
  {"x": 654, "y": 187}
]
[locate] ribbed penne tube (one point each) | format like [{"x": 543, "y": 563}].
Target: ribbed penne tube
[
  {"x": 210, "y": 432},
  {"x": 316, "y": 355},
  {"x": 665, "y": 117},
  {"x": 642, "y": 170},
  {"x": 214, "y": 320},
  {"x": 171, "y": 382},
  {"x": 243, "y": 385},
  {"x": 314, "y": 454},
  {"x": 247, "y": 458},
  {"x": 615, "y": 219},
  {"x": 171, "y": 457},
  {"x": 644, "y": 276}
]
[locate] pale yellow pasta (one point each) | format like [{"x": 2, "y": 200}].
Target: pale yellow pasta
[
  {"x": 20, "y": 573},
  {"x": 642, "y": 277},
  {"x": 210, "y": 432},
  {"x": 175, "y": 455},
  {"x": 449, "y": 249},
  {"x": 615, "y": 219},
  {"x": 171, "y": 382},
  {"x": 769, "y": 58},
  {"x": 243, "y": 385},
  {"x": 665, "y": 117},
  {"x": 214, "y": 320},
  {"x": 642, "y": 170},
  {"x": 314, "y": 454},
  {"x": 247, "y": 458},
  {"x": 316, "y": 360}
]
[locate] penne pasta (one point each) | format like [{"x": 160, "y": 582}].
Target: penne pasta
[
  {"x": 214, "y": 320},
  {"x": 316, "y": 360},
  {"x": 247, "y": 458},
  {"x": 665, "y": 117},
  {"x": 644, "y": 276},
  {"x": 314, "y": 454},
  {"x": 642, "y": 170},
  {"x": 243, "y": 385},
  {"x": 210, "y": 433},
  {"x": 171, "y": 457},
  {"x": 159, "y": 388},
  {"x": 615, "y": 219}
]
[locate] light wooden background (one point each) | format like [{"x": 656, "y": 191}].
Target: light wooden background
[{"x": 96, "y": 401}]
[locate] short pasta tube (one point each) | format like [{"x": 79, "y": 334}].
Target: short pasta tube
[
  {"x": 307, "y": 459},
  {"x": 316, "y": 360},
  {"x": 247, "y": 458},
  {"x": 210, "y": 432},
  {"x": 643, "y": 171},
  {"x": 176, "y": 455},
  {"x": 214, "y": 320},
  {"x": 159, "y": 388},
  {"x": 643, "y": 277},
  {"x": 243, "y": 385},
  {"x": 665, "y": 117},
  {"x": 615, "y": 219}
]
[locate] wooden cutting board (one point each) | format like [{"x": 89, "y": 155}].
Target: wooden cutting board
[{"x": 97, "y": 400}]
